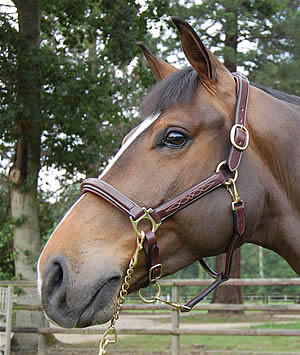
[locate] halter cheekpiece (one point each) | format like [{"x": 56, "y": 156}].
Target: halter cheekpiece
[{"x": 239, "y": 139}]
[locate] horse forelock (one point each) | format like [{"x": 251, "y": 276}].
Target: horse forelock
[{"x": 177, "y": 89}]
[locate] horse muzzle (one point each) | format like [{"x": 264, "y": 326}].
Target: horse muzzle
[{"x": 77, "y": 299}]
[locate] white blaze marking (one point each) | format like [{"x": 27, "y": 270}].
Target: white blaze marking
[
  {"x": 39, "y": 281},
  {"x": 140, "y": 129}
]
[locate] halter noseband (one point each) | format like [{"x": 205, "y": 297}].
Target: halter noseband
[{"x": 239, "y": 138}]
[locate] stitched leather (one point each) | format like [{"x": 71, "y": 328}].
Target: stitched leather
[{"x": 191, "y": 195}]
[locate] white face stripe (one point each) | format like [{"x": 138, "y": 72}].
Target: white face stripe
[
  {"x": 140, "y": 129},
  {"x": 65, "y": 216}
]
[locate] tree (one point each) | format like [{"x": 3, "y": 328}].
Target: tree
[{"x": 60, "y": 108}]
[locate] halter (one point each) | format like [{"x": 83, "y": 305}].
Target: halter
[{"x": 239, "y": 139}]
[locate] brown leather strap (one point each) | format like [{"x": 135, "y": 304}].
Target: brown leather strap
[
  {"x": 152, "y": 255},
  {"x": 191, "y": 195},
  {"x": 238, "y": 231},
  {"x": 240, "y": 135},
  {"x": 112, "y": 195}
]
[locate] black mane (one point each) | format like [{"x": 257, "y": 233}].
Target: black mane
[
  {"x": 293, "y": 99},
  {"x": 179, "y": 87}
]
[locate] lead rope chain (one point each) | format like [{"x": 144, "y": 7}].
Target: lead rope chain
[{"x": 110, "y": 336}]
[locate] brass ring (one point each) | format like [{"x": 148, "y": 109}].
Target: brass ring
[
  {"x": 229, "y": 181},
  {"x": 224, "y": 162},
  {"x": 154, "y": 298}
]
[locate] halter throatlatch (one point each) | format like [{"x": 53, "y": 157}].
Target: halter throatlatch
[{"x": 239, "y": 139}]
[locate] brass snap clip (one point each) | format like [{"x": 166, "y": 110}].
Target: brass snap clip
[{"x": 232, "y": 189}]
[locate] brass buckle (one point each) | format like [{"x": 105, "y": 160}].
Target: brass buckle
[
  {"x": 155, "y": 278},
  {"x": 232, "y": 136},
  {"x": 146, "y": 215}
]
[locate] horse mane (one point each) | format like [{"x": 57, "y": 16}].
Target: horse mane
[
  {"x": 293, "y": 99},
  {"x": 179, "y": 87}
]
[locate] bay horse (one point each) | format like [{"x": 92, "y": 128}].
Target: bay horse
[{"x": 193, "y": 121}]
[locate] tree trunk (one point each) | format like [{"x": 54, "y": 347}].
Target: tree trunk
[
  {"x": 24, "y": 172},
  {"x": 261, "y": 262}
]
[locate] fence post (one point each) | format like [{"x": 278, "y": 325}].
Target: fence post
[
  {"x": 9, "y": 303},
  {"x": 175, "y": 321},
  {"x": 42, "y": 337}
]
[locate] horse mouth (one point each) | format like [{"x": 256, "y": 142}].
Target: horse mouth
[
  {"x": 91, "y": 304},
  {"x": 101, "y": 306}
]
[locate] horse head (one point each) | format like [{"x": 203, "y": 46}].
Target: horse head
[{"x": 184, "y": 134}]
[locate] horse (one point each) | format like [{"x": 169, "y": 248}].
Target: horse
[{"x": 171, "y": 177}]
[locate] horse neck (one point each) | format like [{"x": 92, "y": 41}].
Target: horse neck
[{"x": 274, "y": 129}]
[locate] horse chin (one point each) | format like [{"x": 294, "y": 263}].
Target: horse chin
[{"x": 101, "y": 307}]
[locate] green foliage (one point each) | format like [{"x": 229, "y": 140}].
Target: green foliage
[
  {"x": 273, "y": 267},
  {"x": 6, "y": 242},
  {"x": 266, "y": 33}
]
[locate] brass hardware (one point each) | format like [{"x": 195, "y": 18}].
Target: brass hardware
[
  {"x": 232, "y": 136},
  {"x": 106, "y": 340},
  {"x": 158, "y": 298},
  {"x": 169, "y": 303},
  {"x": 241, "y": 202},
  {"x": 153, "y": 299},
  {"x": 155, "y": 278},
  {"x": 220, "y": 165},
  {"x": 146, "y": 215},
  {"x": 232, "y": 189},
  {"x": 223, "y": 163}
]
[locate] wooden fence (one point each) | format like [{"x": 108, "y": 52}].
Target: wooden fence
[{"x": 175, "y": 330}]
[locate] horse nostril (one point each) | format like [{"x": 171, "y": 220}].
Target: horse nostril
[
  {"x": 56, "y": 277},
  {"x": 56, "y": 280}
]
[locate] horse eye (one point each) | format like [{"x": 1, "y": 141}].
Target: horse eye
[{"x": 175, "y": 139}]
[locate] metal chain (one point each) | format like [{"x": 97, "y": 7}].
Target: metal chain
[{"x": 110, "y": 336}]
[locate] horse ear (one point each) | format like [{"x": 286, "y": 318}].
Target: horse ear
[
  {"x": 159, "y": 68},
  {"x": 201, "y": 59}
]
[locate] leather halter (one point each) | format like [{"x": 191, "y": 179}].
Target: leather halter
[{"x": 239, "y": 138}]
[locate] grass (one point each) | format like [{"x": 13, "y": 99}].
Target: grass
[{"x": 162, "y": 344}]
